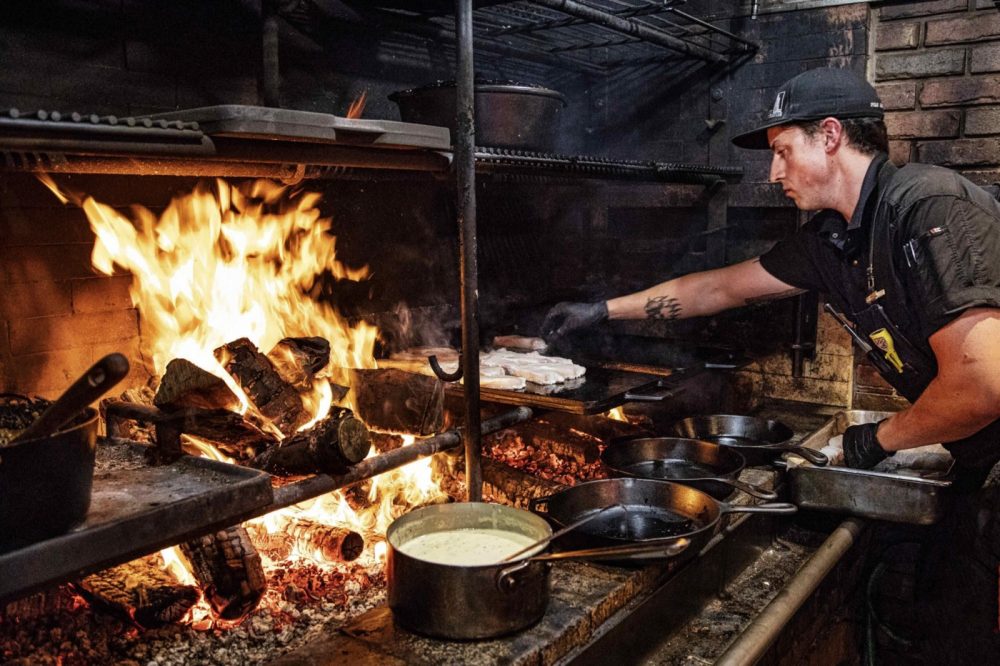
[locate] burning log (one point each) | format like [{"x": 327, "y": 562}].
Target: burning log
[
  {"x": 331, "y": 445},
  {"x": 513, "y": 486},
  {"x": 297, "y": 360},
  {"x": 327, "y": 543},
  {"x": 228, "y": 568},
  {"x": 596, "y": 426},
  {"x": 256, "y": 375},
  {"x": 141, "y": 591},
  {"x": 184, "y": 384},
  {"x": 399, "y": 401}
]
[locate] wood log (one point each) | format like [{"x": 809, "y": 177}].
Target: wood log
[
  {"x": 229, "y": 570},
  {"x": 326, "y": 543},
  {"x": 271, "y": 395},
  {"x": 297, "y": 360},
  {"x": 398, "y": 401},
  {"x": 596, "y": 426},
  {"x": 276, "y": 545},
  {"x": 184, "y": 384},
  {"x": 140, "y": 591},
  {"x": 513, "y": 486},
  {"x": 331, "y": 446},
  {"x": 565, "y": 442}
]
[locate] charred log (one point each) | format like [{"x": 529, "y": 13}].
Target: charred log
[
  {"x": 270, "y": 394},
  {"x": 298, "y": 360},
  {"x": 566, "y": 442},
  {"x": 398, "y": 401},
  {"x": 228, "y": 568},
  {"x": 325, "y": 542},
  {"x": 140, "y": 591},
  {"x": 331, "y": 445},
  {"x": 595, "y": 426},
  {"x": 184, "y": 384},
  {"x": 512, "y": 486}
]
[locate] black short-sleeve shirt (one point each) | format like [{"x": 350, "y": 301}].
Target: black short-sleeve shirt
[{"x": 945, "y": 248}]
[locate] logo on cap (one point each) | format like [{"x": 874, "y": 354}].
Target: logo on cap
[{"x": 778, "y": 109}]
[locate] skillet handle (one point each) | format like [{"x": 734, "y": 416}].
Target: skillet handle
[
  {"x": 539, "y": 504},
  {"x": 749, "y": 489},
  {"x": 812, "y": 455},
  {"x": 775, "y": 508}
]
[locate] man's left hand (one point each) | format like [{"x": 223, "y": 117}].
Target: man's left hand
[{"x": 861, "y": 447}]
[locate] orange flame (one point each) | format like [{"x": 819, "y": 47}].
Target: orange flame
[
  {"x": 357, "y": 107},
  {"x": 616, "y": 414},
  {"x": 225, "y": 262}
]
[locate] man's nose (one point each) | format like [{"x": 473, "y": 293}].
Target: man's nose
[{"x": 777, "y": 173}]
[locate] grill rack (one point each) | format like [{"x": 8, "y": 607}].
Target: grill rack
[{"x": 590, "y": 35}]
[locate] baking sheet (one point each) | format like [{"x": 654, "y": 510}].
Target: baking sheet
[
  {"x": 261, "y": 122},
  {"x": 135, "y": 511},
  {"x": 916, "y": 496}
]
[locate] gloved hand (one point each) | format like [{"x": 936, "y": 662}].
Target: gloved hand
[
  {"x": 861, "y": 447},
  {"x": 566, "y": 317}
]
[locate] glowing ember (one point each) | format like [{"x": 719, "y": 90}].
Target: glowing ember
[
  {"x": 617, "y": 414},
  {"x": 357, "y": 107}
]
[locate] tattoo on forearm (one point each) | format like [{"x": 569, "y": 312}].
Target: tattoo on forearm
[
  {"x": 775, "y": 296},
  {"x": 663, "y": 307}
]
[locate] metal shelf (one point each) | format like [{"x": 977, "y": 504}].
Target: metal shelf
[{"x": 589, "y": 35}]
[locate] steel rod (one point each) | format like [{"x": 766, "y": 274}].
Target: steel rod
[
  {"x": 630, "y": 27},
  {"x": 323, "y": 483},
  {"x": 767, "y": 626},
  {"x": 465, "y": 176}
]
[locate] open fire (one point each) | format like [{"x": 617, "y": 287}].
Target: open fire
[{"x": 227, "y": 263}]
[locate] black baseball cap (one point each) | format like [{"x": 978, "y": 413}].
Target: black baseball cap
[{"x": 813, "y": 95}]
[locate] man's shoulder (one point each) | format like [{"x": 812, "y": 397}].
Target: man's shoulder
[{"x": 913, "y": 182}]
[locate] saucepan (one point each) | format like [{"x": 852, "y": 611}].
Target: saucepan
[
  {"x": 699, "y": 464},
  {"x": 444, "y": 584},
  {"x": 652, "y": 512},
  {"x": 46, "y": 471},
  {"x": 760, "y": 441}
]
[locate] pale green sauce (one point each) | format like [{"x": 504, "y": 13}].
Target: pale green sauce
[{"x": 468, "y": 547}]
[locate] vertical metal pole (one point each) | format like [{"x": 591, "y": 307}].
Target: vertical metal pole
[
  {"x": 465, "y": 172},
  {"x": 270, "y": 69}
]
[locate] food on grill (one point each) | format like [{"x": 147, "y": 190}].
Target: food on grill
[
  {"x": 17, "y": 413},
  {"x": 466, "y": 547},
  {"x": 499, "y": 369},
  {"x": 520, "y": 342}
]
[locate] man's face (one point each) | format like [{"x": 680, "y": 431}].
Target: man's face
[{"x": 800, "y": 164}]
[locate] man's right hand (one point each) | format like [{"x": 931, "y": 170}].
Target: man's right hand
[{"x": 564, "y": 318}]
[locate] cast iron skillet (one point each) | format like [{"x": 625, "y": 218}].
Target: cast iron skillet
[
  {"x": 703, "y": 465},
  {"x": 761, "y": 441},
  {"x": 650, "y": 511}
]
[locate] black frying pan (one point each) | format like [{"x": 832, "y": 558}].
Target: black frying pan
[
  {"x": 760, "y": 441},
  {"x": 651, "y": 511},
  {"x": 46, "y": 473},
  {"x": 703, "y": 465}
]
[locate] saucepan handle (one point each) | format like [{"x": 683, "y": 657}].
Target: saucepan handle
[
  {"x": 776, "y": 508},
  {"x": 749, "y": 489}
]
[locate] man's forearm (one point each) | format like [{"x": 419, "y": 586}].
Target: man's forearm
[
  {"x": 674, "y": 299},
  {"x": 943, "y": 413}
]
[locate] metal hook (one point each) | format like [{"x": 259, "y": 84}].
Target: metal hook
[{"x": 441, "y": 374}]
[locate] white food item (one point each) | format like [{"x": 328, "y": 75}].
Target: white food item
[
  {"x": 467, "y": 547},
  {"x": 499, "y": 369},
  {"x": 506, "y": 382}
]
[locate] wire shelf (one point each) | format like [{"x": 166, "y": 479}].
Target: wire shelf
[{"x": 597, "y": 35}]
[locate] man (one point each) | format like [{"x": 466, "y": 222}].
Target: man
[{"x": 911, "y": 255}]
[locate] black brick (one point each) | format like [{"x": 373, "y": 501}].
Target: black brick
[
  {"x": 919, "y": 65},
  {"x": 907, "y": 8}
]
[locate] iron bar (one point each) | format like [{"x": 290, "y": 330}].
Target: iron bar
[
  {"x": 705, "y": 24},
  {"x": 634, "y": 28},
  {"x": 321, "y": 484},
  {"x": 628, "y": 12},
  {"x": 465, "y": 176}
]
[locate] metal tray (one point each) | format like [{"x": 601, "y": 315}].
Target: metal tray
[
  {"x": 262, "y": 122},
  {"x": 916, "y": 496},
  {"x": 135, "y": 511},
  {"x": 599, "y": 390}
]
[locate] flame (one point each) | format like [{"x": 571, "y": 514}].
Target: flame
[
  {"x": 225, "y": 262},
  {"x": 617, "y": 414},
  {"x": 357, "y": 107}
]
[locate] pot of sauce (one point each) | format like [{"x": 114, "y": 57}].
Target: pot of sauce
[{"x": 445, "y": 565}]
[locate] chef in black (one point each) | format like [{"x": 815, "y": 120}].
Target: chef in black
[{"x": 911, "y": 256}]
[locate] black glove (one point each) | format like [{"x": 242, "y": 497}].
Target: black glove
[
  {"x": 566, "y": 317},
  {"x": 861, "y": 447}
]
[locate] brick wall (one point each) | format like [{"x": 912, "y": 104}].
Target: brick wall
[{"x": 936, "y": 66}]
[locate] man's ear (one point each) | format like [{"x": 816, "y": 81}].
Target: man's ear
[{"x": 833, "y": 133}]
